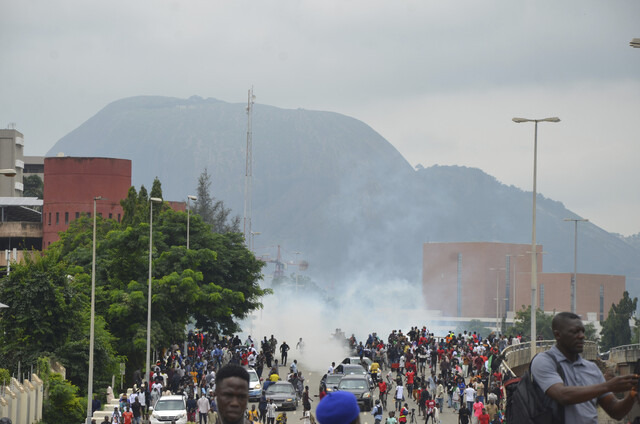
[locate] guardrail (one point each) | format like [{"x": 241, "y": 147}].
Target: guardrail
[
  {"x": 520, "y": 354},
  {"x": 625, "y": 353}
]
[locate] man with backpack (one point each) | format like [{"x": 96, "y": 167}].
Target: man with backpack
[
  {"x": 377, "y": 412},
  {"x": 575, "y": 383}
]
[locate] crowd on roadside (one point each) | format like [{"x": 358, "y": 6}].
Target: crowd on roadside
[{"x": 460, "y": 372}]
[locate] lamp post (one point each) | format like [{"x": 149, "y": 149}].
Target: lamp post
[
  {"x": 93, "y": 312},
  {"x": 195, "y": 199},
  {"x": 152, "y": 200},
  {"x": 575, "y": 262},
  {"x": 497, "y": 295},
  {"x": 534, "y": 264},
  {"x": 515, "y": 278}
]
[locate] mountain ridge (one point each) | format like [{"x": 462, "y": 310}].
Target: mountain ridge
[{"x": 330, "y": 186}]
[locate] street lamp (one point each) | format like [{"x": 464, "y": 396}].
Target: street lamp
[
  {"x": 515, "y": 278},
  {"x": 497, "y": 295},
  {"x": 534, "y": 261},
  {"x": 152, "y": 200},
  {"x": 8, "y": 172},
  {"x": 93, "y": 313},
  {"x": 194, "y": 198},
  {"x": 575, "y": 262}
]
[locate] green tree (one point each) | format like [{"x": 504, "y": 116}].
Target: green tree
[
  {"x": 45, "y": 307},
  {"x": 129, "y": 205},
  {"x": 215, "y": 282},
  {"x": 33, "y": 186},
  {"x": 543, "y": 323},
  {"x": 213, "y": 211},
  {"x": 63, "y": 406},
  {"x": 615, "y": 329}
]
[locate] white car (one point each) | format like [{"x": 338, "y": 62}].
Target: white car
[
  {"x": 255, "y": 386},
  {"x": 169, "y": 408}
]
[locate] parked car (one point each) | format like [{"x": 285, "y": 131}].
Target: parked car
[
  {"x": 168, "y": 409},
  {"x": 330, "y": 382},
  {"x": 255, "y": 386},
  {"x": 283, "y": 395},
  {"x": 359, "y": 386}
]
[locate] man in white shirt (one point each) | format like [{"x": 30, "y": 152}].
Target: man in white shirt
[
  {"x": 470, "y": 396},
  {"x": 203, "y": 408}
]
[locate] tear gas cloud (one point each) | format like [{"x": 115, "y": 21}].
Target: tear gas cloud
[{"x": 360, "y": 307}]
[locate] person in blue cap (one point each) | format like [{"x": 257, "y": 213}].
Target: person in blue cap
[{"x": 338, "y": 408}]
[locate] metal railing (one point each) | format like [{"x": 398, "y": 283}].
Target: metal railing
[{"x": 517, "y": 355}]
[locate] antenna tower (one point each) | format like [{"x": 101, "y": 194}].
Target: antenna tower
[{"x": 248, "y": 175}]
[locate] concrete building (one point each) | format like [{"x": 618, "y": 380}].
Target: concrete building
[
  {"x": 465, "y": 279},
  {"x": 71, "y": 183},
  {"x": 11, "y": 157}
]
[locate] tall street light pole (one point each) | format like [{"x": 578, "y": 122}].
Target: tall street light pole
[
  {"x": 534, "y": 261},
  {"x": 575, "y": 262},
  {"x": 515, "y": 278},
  {"x": 497, "y": 295},
  {"x": 152, "y": 200},
  {"x": 195, "y": 199},
  {"x": 93, "y": 313}
]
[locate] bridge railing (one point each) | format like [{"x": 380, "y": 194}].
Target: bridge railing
[
  {"x": 520, "y": 354},
  {"x": 626, "y": 353}
]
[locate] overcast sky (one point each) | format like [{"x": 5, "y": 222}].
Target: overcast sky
[{"x": 440, "y": 80}]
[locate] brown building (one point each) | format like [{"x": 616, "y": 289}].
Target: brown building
[
  {"x": 465, "y": 279},
  {"x": 71, "y": 183}
]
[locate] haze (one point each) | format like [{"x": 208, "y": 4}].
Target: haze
[{"x": 440, "y": 80}]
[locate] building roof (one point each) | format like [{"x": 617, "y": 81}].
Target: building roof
[
  {"x": 20, "y": 201},
  {"x": 20, "y": 209}
]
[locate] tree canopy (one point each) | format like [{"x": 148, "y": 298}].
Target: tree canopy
[
  {"x": 214, "y": 284},
  {"x": 615, "y": 329}
]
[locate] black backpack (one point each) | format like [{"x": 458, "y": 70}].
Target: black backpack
[{"x": 527, "y": 403}]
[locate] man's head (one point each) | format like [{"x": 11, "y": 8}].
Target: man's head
[
  {"x": 338, "y": 408},
  {"x": 232, "y": 393},
  {"x": 568, "y": 332}
]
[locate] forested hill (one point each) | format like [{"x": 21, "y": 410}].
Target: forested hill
[{"x": 329, "y": 186}]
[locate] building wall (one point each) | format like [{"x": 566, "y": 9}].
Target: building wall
[
  {"x": 486, "y": 269},
  {"x": 71, "y": 185},
  {"x": 11, "y": 156},
  {"x": 442, "y": 276}
]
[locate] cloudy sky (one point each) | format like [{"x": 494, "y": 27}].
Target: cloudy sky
[{"x": 440, "y": 80}]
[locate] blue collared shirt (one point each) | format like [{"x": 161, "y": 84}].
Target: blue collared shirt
[{"x": 578, "y": 373}]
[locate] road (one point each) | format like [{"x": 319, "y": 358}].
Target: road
[{"x": 312, "y": 379}]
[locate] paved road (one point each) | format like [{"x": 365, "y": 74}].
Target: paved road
[{"x": 312, "y": 379}]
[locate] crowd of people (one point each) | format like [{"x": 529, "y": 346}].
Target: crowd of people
[{"x": 460, "y": 372}]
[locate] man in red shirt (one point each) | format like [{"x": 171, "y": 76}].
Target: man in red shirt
[
  {"x": 410, "y": 376},
  {"x": 382, "y": 386},
  {"x": 127, "y": 416}
]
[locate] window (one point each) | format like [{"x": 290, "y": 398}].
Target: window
[
  {"x": 77, "y": 215},
  {"x": 66, "y": 218},
  {"x": 118, "y": 217},
  {"x": 110, "y": 215},
  {"x": 100, "y": 214},
  {"x": 49, "y": 218},
  {"x": 57, "y": 218},
  {"x": 89, "y": 214}
]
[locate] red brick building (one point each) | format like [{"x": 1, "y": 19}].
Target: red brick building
[
  {"x": 465, "y": 279},
  {"x": 71, "y": 183}
]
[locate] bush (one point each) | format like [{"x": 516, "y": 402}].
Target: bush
[{"x": 63, "y": 406}]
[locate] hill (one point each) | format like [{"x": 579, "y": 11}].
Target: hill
[{"x": 331, "y": 187}]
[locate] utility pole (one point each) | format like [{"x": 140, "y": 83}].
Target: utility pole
[{"x": 248, "y": 175}]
